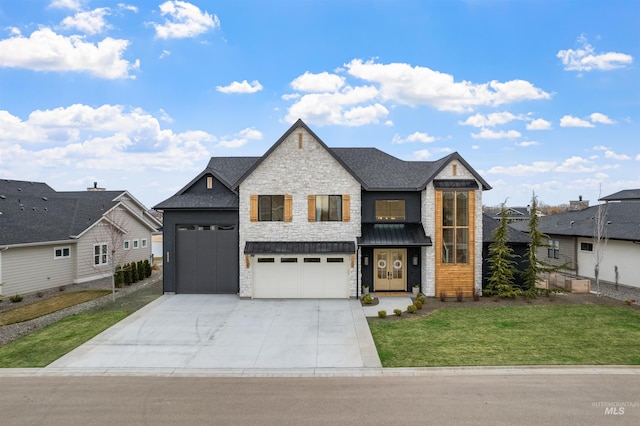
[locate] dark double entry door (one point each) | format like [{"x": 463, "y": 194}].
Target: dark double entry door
[{"x": 207, "y": 259}]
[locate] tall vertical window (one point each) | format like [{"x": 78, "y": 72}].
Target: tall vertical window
[
  {"x": 99, "y": 254},
  {"x": 455, "y": 227},
  {"x": 328, "y": 208},
  {"x": 271, "y": 208},
  {"x": 553, "y": 249}
]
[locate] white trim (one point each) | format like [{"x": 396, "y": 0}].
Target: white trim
[
  {"x": 42, "y": 243},
  {"x": 136, "y": 244},
  {"x": 143, "y": 243},
  {"x": 101, "y": 254},
  {"x": 126, "y": 245},
  {"x": 62, "y": 256}
]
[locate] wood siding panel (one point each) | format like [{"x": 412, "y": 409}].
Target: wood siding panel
[
  {"x": 288, "y": 208},
  {"x": 253, "y": 208},
  {"x": 346, "y": 208},
  {"x": 449, "y": 277},
  {"x": 311, "y": 208}
]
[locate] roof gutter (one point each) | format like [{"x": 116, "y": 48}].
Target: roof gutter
[{"x": 41, "y": 243}]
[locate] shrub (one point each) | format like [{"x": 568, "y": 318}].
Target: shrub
[
  {"x": 147, "y": 268},
  {"x": 443, "y": 296},
  {"x": 382, "y": 314},
  {"x": 134, "y": 272},
  {"x": 127, "y": 274},
  {"x": 15, "y": 298},
  {"x": 118, "y": 277},
  {"x": 398, "y": 312},
  {"x": 367, "y": 299},
  {"x": 459, "y": 294},
  {"x": 418, "y": 304},
  {"x": 141, "y": 271},
  {"x": 421, "y": 297},
  {"x": 411, "y": 309}
]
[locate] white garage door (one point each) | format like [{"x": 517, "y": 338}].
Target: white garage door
[{"x": 301, "y": 277}]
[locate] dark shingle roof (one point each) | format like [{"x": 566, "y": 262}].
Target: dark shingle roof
[
  {"x": 623, "y": 222},
  {"x": 37, "y": 213},
  {"x": 489, "y": 226},
  {"x": 624, "y": 195},
  {"x": 226, "y": 200}
]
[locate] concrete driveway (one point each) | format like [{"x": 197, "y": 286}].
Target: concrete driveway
[{"x": 223, "y": 331}]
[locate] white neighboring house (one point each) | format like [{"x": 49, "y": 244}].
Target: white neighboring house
[
  {"x": 571, "y": 242},
  {"x": 50, "y": 239}
]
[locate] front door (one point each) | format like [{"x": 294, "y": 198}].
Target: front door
[{"x": 390, "y": 270}]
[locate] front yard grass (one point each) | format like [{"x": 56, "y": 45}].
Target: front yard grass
[{"x": 523, "y": 335}]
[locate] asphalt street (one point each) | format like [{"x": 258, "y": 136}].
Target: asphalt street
[{"x": 459, "y": 399}]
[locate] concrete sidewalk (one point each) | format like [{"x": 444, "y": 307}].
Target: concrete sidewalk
[{"x": 178, "y": 332}]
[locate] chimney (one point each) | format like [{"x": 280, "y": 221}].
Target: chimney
[
  {"x": 581, "y": 204},
  {"x": 95, "y": 187}
]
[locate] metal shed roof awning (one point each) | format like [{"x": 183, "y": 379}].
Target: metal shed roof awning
[
  {"x": 455, "y": 184},
  {"x": 299, "y": 247},
  {"x": 393, "y": 235}
]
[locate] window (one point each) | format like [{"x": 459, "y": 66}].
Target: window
[
  {"x": 311, "y": 260},
  {"x": 328, "y": 208},
  {"x": 335, "y": 260},
  {"x": 392, "y": 210},
  {"x": 586, "y": 246},
  {"x": 61, "y": 252},
  {"x": 99, "y": 254},
  {"x": 135, "y": 244},
  {"x": 127, "y": 245},
  {"x": 553, "y": 249},
  {"x": 266, "y": 260},
  {"x": 289, "y": 260},
  {"x": 455, "y": 227},
  {"x": 143, "y": 242},
  {"x": 271, "y": 208},
  {"x": 209, "y": 182}
]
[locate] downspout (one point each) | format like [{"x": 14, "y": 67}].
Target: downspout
[{"x": 358, "y": 252}]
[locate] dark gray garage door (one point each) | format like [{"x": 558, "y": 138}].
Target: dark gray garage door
[{"x": 207, "y": 259}]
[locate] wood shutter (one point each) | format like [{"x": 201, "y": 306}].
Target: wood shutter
[
  {"x": 253, "y": 208},
  {"x": 312, "y": 208},
  {"x": 346, "y": 208},
  {"x": 288, "y": 208}
]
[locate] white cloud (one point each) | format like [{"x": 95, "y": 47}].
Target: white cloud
[
  {"x": 91, "y": 22},
  {"x": 614, "y": 156},
  {"x": 527, "y": 143},
  {"x": 339, "y": 108},
  {"x": 414, "y": 137},
  {"x": 241, "y": 87},
  {"x": 183, "y": 20},
  {"x": 501, "y": 134},
  {"x": 638, "y": 157},
  {"x": 106, "y": 138},
  {"x": 491, "y": 120},
  {"x": 585, "y": 58},
  {"x": 289, "y": 96},
  {"x": 569, "y": 121},
  {"x": 128, "y": 7},
  {"x": 402, "y": 83},
  {"x": 422, "y": 155},
  {"x": 240, "y": 139},
  {"x": 524, "y": 169},
  {"x": 475, "y": 146},
  {"x": 597, "y": 117},
  {"x": 576, "y": 164},
  {"x": 600, "y": 148},
  {"x": 164, "y": 54},
  {"x": 322, "y": 82},
  {"x": 45, "y": 50},
  {"x": 66, "y": 4},
  {"x": 539, "y": 124}
]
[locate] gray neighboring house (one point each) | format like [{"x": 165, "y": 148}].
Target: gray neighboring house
[
  {"x": 571, "y": 242},
  {"x": 50, "y": 239},
  {"x": 308, "y": 221},
  {"x": 519, "y": 241}
]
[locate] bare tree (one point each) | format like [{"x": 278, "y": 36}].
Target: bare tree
[
  {"x": 599, "y": 239},
  {"x": 108, "y": 248}
]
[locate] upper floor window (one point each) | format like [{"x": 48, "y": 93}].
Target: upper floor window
[
  {"x": 271, "y": 208},
  {"x": 143, "y": 242},
  {"x": 586, "y": 246},
  {"x": 61, "y": 252},
  {"x": 391, "y": 210},
  {"x": 328, "y": 208},
  {"x": 127, "y": 245},
  {"x": 455, "y": 227},
  {"x": 135, "y": 244},
  {"x": 99, "y": 254}
]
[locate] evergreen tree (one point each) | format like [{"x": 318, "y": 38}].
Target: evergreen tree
[
  {"x": 535, "y": 267},
  {"x": 134, "y": 272},
  {"x": 502, "y": 266}
]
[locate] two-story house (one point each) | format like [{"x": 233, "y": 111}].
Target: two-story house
[{"x": 308, "y": 221}]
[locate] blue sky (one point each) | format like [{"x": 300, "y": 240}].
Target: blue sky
[{"x": 138, "y": 95}]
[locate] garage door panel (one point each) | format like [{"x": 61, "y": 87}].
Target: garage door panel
[{"x": 307, "y": 277}]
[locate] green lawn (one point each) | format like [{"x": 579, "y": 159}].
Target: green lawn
[
  {"x": 526, "y": 335},
  {"x": 42, "y": 347}
]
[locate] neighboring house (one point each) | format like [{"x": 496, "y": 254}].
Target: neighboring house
[
  {"x": 305, "y": 220},
  {"x": 571, "y": 242},
  {"x": 50, "y": 239},
  {"x": 516, "y": 214},
  {"x": 517, "y": 240}
]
